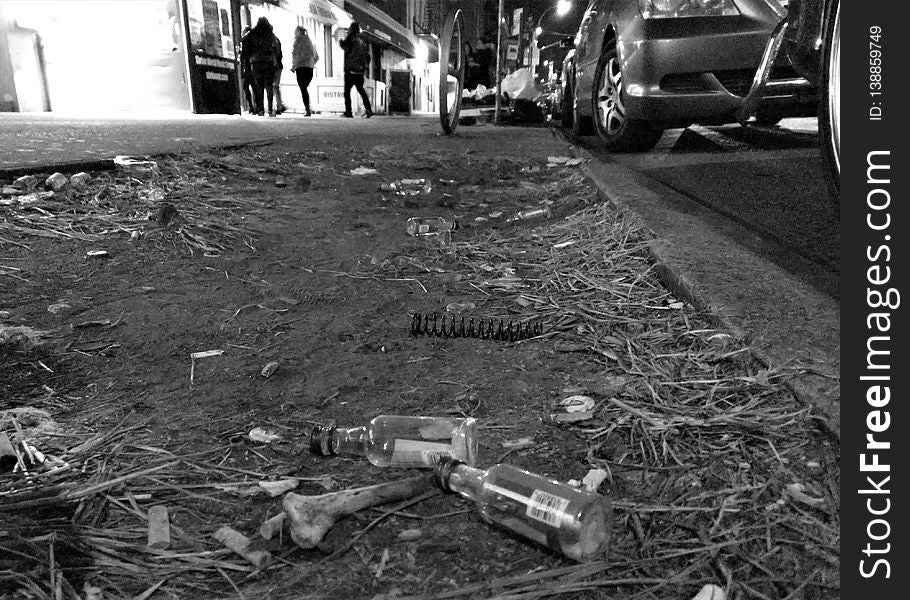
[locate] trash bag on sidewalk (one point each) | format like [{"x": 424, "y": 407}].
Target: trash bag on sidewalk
[{"x": 519, "y": 85}]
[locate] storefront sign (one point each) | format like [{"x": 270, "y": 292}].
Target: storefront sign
[
  {"x": 214, "y": 81},
  {"x": 331, "y": 97}
]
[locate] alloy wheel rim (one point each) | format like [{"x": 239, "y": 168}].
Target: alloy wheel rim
[
  {"x": 834, "y": 89},
  {"x": 609, "y": 99}
]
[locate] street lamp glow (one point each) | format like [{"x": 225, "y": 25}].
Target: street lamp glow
[
  {"x": 538, "y": 31},
  {"x": 563, "y": 7}
]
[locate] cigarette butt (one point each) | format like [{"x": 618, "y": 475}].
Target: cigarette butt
[
  {"x": 159, "y": 528},
  {"x": 240, "y": 544},
  {"x": 270, "y": 527}
]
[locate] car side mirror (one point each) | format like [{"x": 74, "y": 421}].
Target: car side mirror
[{"x": 567, "y": 42}]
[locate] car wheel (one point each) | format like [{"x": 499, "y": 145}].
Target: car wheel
[
  {"x": 829, "y": 100},
  {"x": 618, "y": 132}
]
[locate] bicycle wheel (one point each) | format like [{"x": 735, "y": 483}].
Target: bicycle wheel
[{"x": 451, "y": 70}]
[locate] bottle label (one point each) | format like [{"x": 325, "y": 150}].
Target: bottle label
[
  {"x": 547, "y": 507},
  {"x": 414, "y": 452}
]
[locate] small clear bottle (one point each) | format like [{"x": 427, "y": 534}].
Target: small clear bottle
[
  {"x": 531, "y": 213},
  {"x": 422, "y": 226},
  {"x": 570, "y": 520},
  {"x": 408, "y": 187},
  {"x": 401, "y": 441}
]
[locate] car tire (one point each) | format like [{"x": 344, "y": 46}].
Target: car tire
[
  {"x": 829, "y": 98},
  {"x": 617, "y": 132}
]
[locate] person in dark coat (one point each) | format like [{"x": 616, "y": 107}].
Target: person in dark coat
[
  {"x": 356, "y": 63},
  {"x": 261, "y": 50}
]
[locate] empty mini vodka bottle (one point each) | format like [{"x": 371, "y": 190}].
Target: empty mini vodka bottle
[
  {"x": 421, "y": 226},
  {"x": 408, "y": 187},
  {"x": 401, "y": 441},
  {"x": 530, "y": 213},
  {"x": 567, "y": 519}
]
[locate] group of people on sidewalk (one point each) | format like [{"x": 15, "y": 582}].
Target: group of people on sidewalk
[{"x": 261, "y": 66}]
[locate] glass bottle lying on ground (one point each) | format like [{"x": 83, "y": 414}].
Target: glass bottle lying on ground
[
  {"x": 570, "y": 520},
  {"x": 401, "y": 441}
]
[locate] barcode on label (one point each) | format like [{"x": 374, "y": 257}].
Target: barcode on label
[{"x": 546, "y": 507}]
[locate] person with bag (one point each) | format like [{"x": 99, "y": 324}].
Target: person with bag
[
  {"x": 303, "y": 59},
  {"x": 261, "y": 50},
  {"x": 356, "y": 63}
]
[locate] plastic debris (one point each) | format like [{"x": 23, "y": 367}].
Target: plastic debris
[
  {"x": 574, "y": 409},
  {"x": 138, "y": 165},
  {"x": 96, "y": 253},
  {"x": 269, "y": 369},
  {"x": 27, "y": 198},
  {"x": 363, "y": 171},
  {"x": 711, "y": 592},
  {"x": 410, "y": 535},
  {"x": 159, "y": 531},
  {"x": 519, "y": 444},
  {"x": 554, "y": 161},
  {"x": 194, "y": 356},
  {"x": 240, "y": 545},
  {"x": 797, "y": 492},
  {"x": 265, "y": 436},
  {"x": 58, "y": 307}
]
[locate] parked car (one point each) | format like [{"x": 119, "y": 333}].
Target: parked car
[
  {"x": 642, "y": 66},
  {"x": 810, "y": 37}
]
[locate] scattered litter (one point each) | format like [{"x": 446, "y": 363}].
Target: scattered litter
[
  {"x": 530, "y": 213},
  {"x": 459, "y": 307},
  {"x": 554, "y": 161},
  {"x": 135, "y": 164},
  {"x": 407, "y": 187},
  {"x": 363, "y": 171},
  {"x": 422, "y": 226},
  {"x": 240, "y": 545},
  {"x": 265, "y": 436},
  {"x": 28, "y": 198},
  {"x": 565, "y": 244},
  {"x": 797, "y": 492},
  {"x": 272, "y": 525},
  {"x": 194, "y": 356},
  {"x": 56, "y": 182},
  {"x": 677, "y": 305},
  {"x": 99, "y": 323},
  {"x": 96, "y": 253},
  {"x": 276, "y": 488},
  {"x": 159, "y": 531},
  {"x": 593, "y": 479},
  {"x": 58, "y": 307},
  {"x": 711, "y": 592},
  {"x": 281, "y": 181},
  {"x": 578, "y": 403},
  {"x": 269, "y": 369},
  {"x": 573, "y": 409}
]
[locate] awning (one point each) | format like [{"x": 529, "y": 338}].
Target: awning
[
  {"x": 322, "y": 11},
  {"x": 382, "y": 29}
]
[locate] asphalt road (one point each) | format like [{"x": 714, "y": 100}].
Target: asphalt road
[{"x": 770, "y": 180}]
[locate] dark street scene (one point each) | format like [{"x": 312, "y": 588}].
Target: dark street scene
[{"x": 419, "y": 299}]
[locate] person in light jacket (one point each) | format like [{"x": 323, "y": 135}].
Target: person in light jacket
[
  {"x": 303, "y": 59},
  {"x": 356, "y": 63}
]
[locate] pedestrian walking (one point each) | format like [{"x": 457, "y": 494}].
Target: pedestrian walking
[
  {"x": 261, "y": 50},
  {"x": 356, "y": 63},
  {"x": 303, "y": 59}
]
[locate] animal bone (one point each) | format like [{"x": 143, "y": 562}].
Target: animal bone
[{"x": 312, "y": 516}]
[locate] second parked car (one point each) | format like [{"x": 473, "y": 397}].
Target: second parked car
[{"x": 642, "y": 66}]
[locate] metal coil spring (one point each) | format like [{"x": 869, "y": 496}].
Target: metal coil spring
[{"x": 489, "y": 329}]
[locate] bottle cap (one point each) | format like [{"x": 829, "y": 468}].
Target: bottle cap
[
  {"x": 321, "y": 440},
  {"x": 443, "y": 469}
]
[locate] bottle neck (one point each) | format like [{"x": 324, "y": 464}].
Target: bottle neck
[
  {"x": 466, "y": 480},
  {"x": 348, "y": 440},
  {"x": 329, "y": 441}
]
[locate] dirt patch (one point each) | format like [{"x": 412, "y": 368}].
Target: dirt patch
[{"x": 318, "y": 275}]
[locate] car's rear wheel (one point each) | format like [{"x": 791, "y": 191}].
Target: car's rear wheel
[
  {"x": 829, "y": 101},
  {"x": 617, "y": 131}
]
